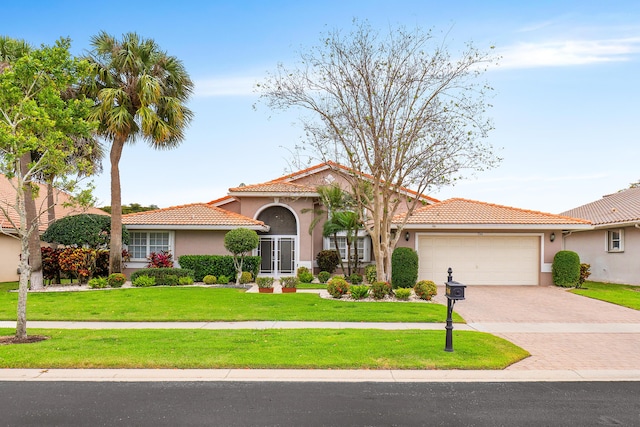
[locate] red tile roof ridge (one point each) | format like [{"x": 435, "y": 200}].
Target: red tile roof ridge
[
  {"x": 263, "y": 184},
  {"x": 200, "y": 204}
]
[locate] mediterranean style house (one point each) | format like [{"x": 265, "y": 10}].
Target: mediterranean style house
[
  {"x": 612, "y": 246},
  {"x": 484, "y": 244}
]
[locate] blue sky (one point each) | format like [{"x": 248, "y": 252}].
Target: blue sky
[{"x": 566, "y": 109}]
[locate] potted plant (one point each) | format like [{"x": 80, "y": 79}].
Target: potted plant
[
  {"x": 265, "y": 284},
  {"x": 289, "y": 284}
]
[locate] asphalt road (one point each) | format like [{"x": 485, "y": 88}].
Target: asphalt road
[{"x": 319, "y": 404}]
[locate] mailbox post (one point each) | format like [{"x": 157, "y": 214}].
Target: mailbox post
[{"x": 454, "y": 292}]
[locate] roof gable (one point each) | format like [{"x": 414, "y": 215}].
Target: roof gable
[
  {"x": 463, "y": 211},
  {"x": 616, "y": 208}
]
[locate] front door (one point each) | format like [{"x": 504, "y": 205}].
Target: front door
[{"x": 278, "y": 255}]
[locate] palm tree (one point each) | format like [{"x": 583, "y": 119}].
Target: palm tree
[{"x": 139, "y": 91}]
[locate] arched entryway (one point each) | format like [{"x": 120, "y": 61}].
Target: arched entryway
[{"x": 278, "y": 246}]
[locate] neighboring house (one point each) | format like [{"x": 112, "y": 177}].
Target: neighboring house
[
  {"x": 482, "y": 243},
  {"x": 9, "y": 243},
  {"x": 612, "y": 247}
]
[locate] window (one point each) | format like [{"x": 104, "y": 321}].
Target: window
[
  {"x": 364, "y": 252},
  {"x": 615, "y": 240},
  {"x": 142, "y": 243}
]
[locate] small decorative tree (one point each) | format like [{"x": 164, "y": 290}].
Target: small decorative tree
[
  {"x": 240, "y": 242},
  {"x": 90, "y": 230}
]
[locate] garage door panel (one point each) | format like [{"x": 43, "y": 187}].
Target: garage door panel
[{"x": 480, "y": 260}]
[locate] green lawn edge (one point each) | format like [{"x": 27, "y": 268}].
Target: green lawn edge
[
  {"x": 197, "y": 304},
  {"x": 623, "y": 295},
  {"x": 259, "y": 349}
]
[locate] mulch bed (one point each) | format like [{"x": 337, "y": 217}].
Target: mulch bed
[{"x": 12, "y": 339}]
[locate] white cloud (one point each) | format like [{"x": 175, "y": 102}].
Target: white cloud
[
  {"x": 569, "y": 52},
  {"x": 225, "y": 86}
]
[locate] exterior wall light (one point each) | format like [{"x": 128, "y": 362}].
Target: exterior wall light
[
  {"x": 406, "y": 236},
  {"x": 552, "y": 237}
]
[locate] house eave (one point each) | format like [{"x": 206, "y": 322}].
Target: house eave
[
  {"x": 616, "y": 225},
  {"x": 194, "y": 227},
  {"x": 272, "y": 194},
  {"x": 477, "y": 226}
]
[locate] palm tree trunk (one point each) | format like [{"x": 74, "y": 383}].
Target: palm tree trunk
[
  {"x": 35, "y": 256},
  {"x": 115, "y": 247}
]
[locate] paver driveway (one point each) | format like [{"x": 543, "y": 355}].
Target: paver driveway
[{"x": 560, "y": 330}]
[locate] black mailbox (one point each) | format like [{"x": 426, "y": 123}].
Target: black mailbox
[{"x": 455, "y": 290}]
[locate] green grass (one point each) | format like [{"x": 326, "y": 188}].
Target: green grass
[
  {"x": 624, "y": 295},
  {"x": 186, "y": 304},
  {"x": 306, "y": 348},
  {"x": 312, "y": 286}
]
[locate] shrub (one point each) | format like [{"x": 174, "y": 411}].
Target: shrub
[
  {"x": 425, "y": 289},
  {"x": 209, "y": 279},
  {"x": 92, "y": 230},
  {"x": 324, "y": 276},
  {"x": 217, "y": 265},
  {"x": 304, "y": 275},
  {"x": 171, "y": 280},
  {"x": 78, "y": 262},
  {"x": 379, "y": 290},
  {"x": 162, "y": 259},
  {"x": 160, "y": 274},
  {"x": 116, "y": 280},
  {"x": 584, "y": 274},
  {"x": 370, "y": 273},
  {"x": 98, "y": 283},
  {"x": 289, "y": 281},
  {"x": 223, "y": 280},
  {"x": 359, "y": 291},
  {"x": 246, "y": 277},
  {"x": 355, "y": 279},
  {"x": 337, "y": 286},
  {"x": 403, "y": 294},
  {"x": 185, "y": 281},
  {"x": 328, "y": 260},
  {"x": 566, "y": 269},
  {"x": 264, "y": 282},
  {"x": 404, "y": 268},
  {"x": 143, "y": 281}
]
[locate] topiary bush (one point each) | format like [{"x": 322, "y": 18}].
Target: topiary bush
[
  {"x": 566, "y": 269},
  {"x": 370, "y": 273},
  {"x": 359, "y": 291},
  {"x": 160, "y": 275},
  {"x": 425, "y": 289},
  {"x": 143, "y": 281},
  {"x": 223, "y": 280},
  {"x": 324, "y": 276},
  {"x": 246, "y": 277},
  {"x": 304, "y": 275},
  {"x": 209, "y": 279},
  {"x": 328, "y": 260},
  {"x": 116, "y": 280},
  {"x": 402, "y": 294},
  {"x": 379, "y": 290},
  {"x": 404, "y": 268},
  {"x": 337, "y": 286}
]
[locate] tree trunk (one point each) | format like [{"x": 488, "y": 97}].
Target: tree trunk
[
  {"x": 25, "y": 271},
  {"x": 51, "y": 217},
  {"x": 35, "y": 256},
  {"x": 115, "y": 246}
]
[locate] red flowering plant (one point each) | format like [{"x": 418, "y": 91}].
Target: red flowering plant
[{"x": 162, "y": 259}]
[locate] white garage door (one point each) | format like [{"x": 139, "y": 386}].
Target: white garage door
[{"x": 490, "y": 259}]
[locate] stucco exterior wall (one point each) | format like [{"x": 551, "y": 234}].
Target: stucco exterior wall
[
  {"x": 10, "y": 256},
  {"x": 199, "y": 242},
  {"x": 609, "y": 267}
]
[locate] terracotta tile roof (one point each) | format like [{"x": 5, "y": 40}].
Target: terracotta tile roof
[
  {"x": 616, "y": 208},
  {"x": 463, "y": 211},
  {"x": 274, "y": 187},
  {"x": 337, "y": 166},
  {"x": 221, "y": 200},
  {"x": 197, "y": 215},
  {"x": 8, "y": 197}
]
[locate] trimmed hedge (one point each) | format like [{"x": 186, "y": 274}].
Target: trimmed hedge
[
  {"x": 217, "y": 265},
  {"x": 163, "y": 276},
  {"x": 566, "y": 269},
  {"x": 404, "y": 268}
]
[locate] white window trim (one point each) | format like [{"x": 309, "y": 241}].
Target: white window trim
[
  {"x": 608, "y": 245},
  {"x": 171, "y": 244},
  {"x": 366, "y": 256}
]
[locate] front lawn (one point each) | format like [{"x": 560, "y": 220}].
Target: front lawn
[
  {"x": 300, "y": 348},
  {"x": 624, "y": 295},
  {"x": 191, "y": 304}
]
